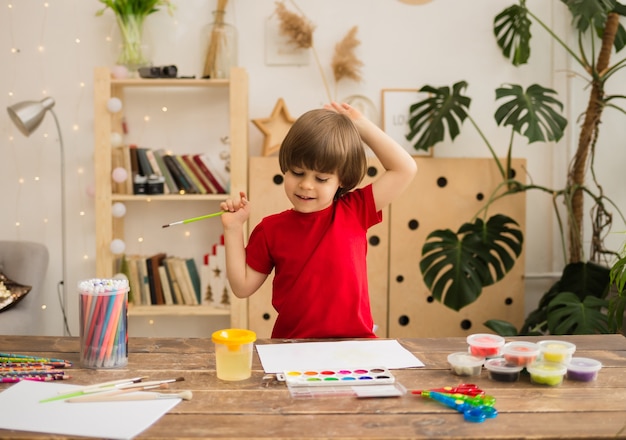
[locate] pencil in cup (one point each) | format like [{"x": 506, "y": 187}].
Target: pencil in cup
[{"x": 103, "y": 323}]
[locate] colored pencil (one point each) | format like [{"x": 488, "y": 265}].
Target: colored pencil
[
  {"x": 32, "y": 378},
  {"x": 21, "y": 358}
]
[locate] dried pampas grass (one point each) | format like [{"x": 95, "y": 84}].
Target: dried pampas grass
[
  {"x": 299, "y": 30},
  {"x": 296, "y": 27},
  {"x": 345, "y": 64}
]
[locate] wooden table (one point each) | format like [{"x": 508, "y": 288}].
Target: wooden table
[{"x": 248, "y": 409}]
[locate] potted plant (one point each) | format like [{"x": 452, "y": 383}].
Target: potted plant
[{"x": 457, "y": 265}]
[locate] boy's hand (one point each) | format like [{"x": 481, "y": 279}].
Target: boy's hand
[
  {"x": 344, "y": 108},
  {"x": 236, "y": 211}
]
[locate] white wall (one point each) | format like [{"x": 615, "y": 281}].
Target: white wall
[{"x": 60, "y": 42}]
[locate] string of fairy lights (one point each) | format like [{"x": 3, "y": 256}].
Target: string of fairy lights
[
  {"x": 31, "y": 74},
  {"x": 34, "y": 175},
  {"x": 30, "y": 158}
]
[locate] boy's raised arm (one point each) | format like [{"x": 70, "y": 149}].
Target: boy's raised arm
[{"x": 400, "y": 167}]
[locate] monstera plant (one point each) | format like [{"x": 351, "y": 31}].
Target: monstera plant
[{"x": 456, "y": 266}]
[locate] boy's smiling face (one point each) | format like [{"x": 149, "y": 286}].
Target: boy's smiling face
[{"x": 310, "y": 191}]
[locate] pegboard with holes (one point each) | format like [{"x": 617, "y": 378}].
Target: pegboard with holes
[{"x": 445, "y": 193}]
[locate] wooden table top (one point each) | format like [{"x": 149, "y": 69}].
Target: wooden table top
[{"x": 249, "y": 409}]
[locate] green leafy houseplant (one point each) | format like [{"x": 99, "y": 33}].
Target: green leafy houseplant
[
  {"x": 456, "y": 266},
  {"x": 130, "y": 16}
]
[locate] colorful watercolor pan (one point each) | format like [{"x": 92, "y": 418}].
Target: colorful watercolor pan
[{"x": 338, "y": 377}]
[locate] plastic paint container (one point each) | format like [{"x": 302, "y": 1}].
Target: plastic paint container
[
  {"x": 583, "y": 369},
  {"x": 557, "y": 351},
  {"x": 502, "y": 371},
  {"x": 520, "y": 353},
  {"x": 465, "y": 364},
  {"x": 547, "y": 373},
  {"x": 485, "y": 344},
  {"x": 233, "y": 353}
]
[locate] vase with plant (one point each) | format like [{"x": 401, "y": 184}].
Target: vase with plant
[
  {"x": 221, "y": 47},
  {"x": 130, "y": 16},
  {"x": 457, "y": 265}
]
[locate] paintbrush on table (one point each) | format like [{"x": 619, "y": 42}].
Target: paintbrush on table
[{"x": 129, "y": 396}]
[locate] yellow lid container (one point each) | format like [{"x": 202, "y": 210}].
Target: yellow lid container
[{"x": 234, "y": 338}]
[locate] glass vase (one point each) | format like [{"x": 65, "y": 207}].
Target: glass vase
[
  {"x": 132, "y": 47},
  {"x": 221, "y": 48}
]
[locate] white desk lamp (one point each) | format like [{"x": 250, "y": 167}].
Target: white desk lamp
[{"x": 27, "y": 116}]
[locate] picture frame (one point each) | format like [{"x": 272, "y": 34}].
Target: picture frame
[{"x": 395, "y": 105}]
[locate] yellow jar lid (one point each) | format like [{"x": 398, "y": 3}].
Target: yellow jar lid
[{"x": 233, "y": 336}]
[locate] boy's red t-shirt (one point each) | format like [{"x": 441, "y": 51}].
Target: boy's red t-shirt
[{"x": 320, "y": 287}]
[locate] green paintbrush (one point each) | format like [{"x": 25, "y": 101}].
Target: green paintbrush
[{"x": 194, "y": 219}]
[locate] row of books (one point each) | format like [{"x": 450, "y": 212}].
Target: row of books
[
  {"x": 167, "y": 280},
  {"x": 180, "y": 173},
  {"x": 162, "y": 280}
]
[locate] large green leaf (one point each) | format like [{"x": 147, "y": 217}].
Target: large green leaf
[
  {"x": 593, "y": 14},
  {"x": 534, "y": 113},
  {"x": 443, "y": 107},
  {"x": 568, "y": 315},
  {"x": 456, "y": 266},
  {"x": 581, "y": 279},
  {"x": 585, "y": 279},
  {"x": 503, "y": 328},
  {"x": 589, "y": 13},
  {"x": 512, "y": 30}
]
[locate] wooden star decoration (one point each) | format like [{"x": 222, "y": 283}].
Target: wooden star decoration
[{"x": 275, "y": 127}]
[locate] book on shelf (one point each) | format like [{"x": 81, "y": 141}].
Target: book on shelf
[
  {"x": 178, "y": 174},
  {"x": 165, "y": 171},
  {"x": 184, "y": 281},
  {"x": 177, "y": 294},
  {"x": 134, "y": 294},
  {"x": 145, "y": 169},
  {"x": 218, "y": 163},
  {"x": 156, "y": 168},
  {"x": 154, "y": 278},
  {"x": 201, "y": 177},
  {"x": 208, "y": 168},
  {"x": 194, "y": 276},
  {"x": 198, "y": 188},
  {"x": 134, "y": 161},
  {"x": 144, "y": 283},
  {"x": 165, "y": 283}
]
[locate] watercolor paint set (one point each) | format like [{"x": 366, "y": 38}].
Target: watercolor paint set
[
  {"x": 338, "y": 377},
  {"x": 357, "y": 382}
]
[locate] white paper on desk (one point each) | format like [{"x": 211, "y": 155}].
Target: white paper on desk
[
  {"x": 298, "y": 356},
  {"x": 22, "y": 411}
]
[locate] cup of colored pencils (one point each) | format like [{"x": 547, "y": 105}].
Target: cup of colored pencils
[{"x": 103, "y": 323}]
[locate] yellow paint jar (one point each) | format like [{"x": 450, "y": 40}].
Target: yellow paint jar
[{"x": 233, "y": 353}]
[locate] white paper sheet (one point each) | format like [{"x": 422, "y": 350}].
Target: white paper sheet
[
  {"x": 298, "y": 356},
  {"x": 22, "y": 411}
]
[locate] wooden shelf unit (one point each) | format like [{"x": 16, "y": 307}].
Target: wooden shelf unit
[{"x": 105, "y": 122}]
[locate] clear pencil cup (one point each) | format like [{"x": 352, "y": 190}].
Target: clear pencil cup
[{"x": 103, "y": 312}]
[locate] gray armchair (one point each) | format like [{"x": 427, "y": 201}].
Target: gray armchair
[{"x": 26, "y": 263}]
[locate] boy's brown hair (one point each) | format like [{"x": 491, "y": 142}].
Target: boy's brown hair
[{"x": 327, "y": 142}]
